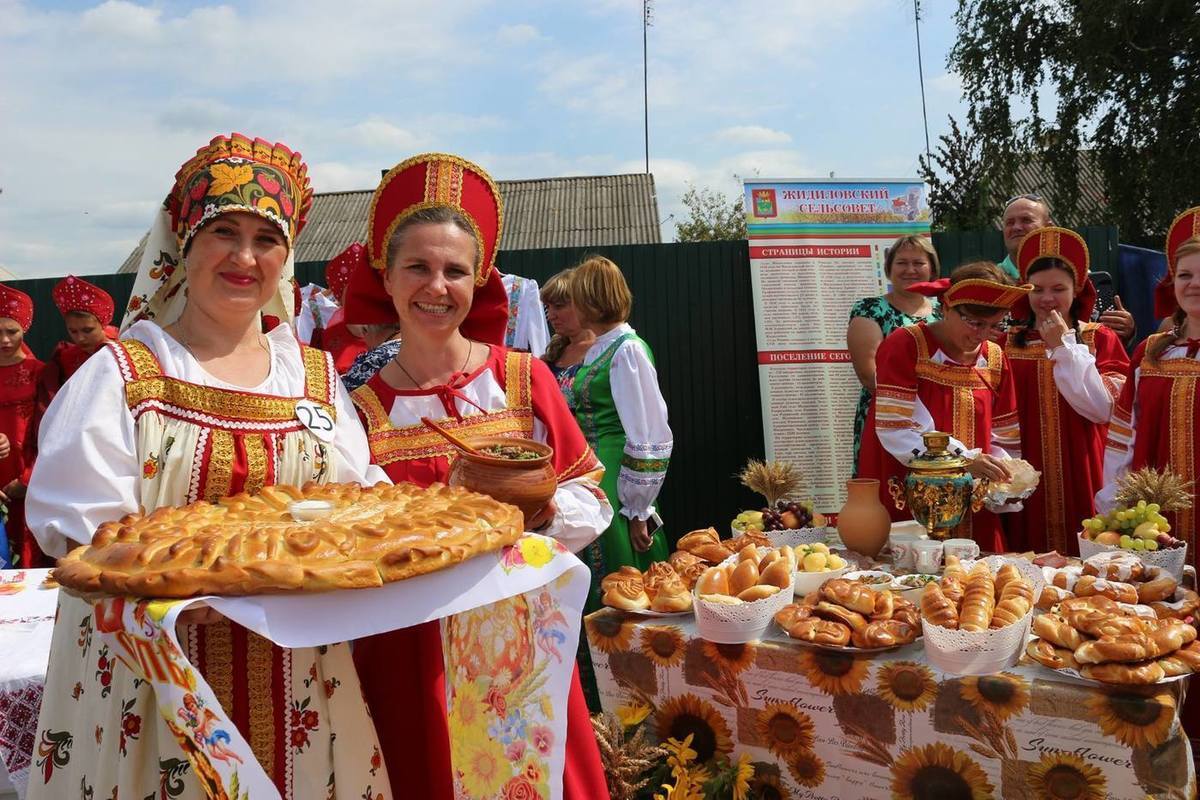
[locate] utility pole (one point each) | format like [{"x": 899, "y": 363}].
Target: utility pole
[{"x": 647, "y": 21}]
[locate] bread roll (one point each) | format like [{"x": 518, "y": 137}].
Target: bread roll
[
  {"x": 1051, "y": 596},
  {"x": 850, "y": 594},
  {"x": 625, "y": 573},
  {"x": 791, "y": 614},
  {"x": 979, "y": 600},
  {"x": 820, "y": 631},
  {"x": 1056, "y": 630},
  {"x": 687, "y": 566},
  {"x": 721, "y": 599},
  {"x": 1157, "y": 589},
  {"x": 1009, "y": 611},
  {"x": 1006, "y": 573},
  {"x": 656, "y": 575},
  {"x": 1141, "y": 674},
  {"x": 1090, "y": 585},
  {"x": 1050, "y": 656},
  {"x": 885, "y": 606},
  {"x": 626, "y": 595},
  {"x": 757, "y": 592},
  {"x": 937, "y": 609},
  {"x": 952, "y": 587},
  {"x": 954, "y": 569},
  {"x": 749, "y": 553},
  {"x": 883, "y": 633},
  {"x": 714, "y": 580},
  {"x": 837, "y": 613},
  {"x": 778, "y": 573},
  {"x": 743, "y": 577}
]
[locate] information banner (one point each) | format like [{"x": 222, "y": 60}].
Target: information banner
[{"x": 816, "y": 248}]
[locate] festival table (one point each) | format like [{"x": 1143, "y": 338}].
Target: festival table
[
  {"x": 26, "y": 624},
  {"x": 823, "y": 724}
]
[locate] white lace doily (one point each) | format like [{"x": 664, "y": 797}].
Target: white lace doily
[
  {"x": 741, "y": 623},
  {"x": 1172, "y": 560}
]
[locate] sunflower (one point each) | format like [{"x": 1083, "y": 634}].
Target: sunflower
[
  {"x": 663, "y": 644},
  {"x": 938, "y": 772},
  {"x": 1066, "y": 776},
  {"x": 485, "y": 767},
  {"x": 768, "y": 784},
  {"x": 784, "y": 729},
  {"x": 734, "y": 657},
  {"x": 832, "y": 672},
  {"x": 1134, "y": 718},
  {"x": 608, "y": 632},
  {"x": 907, "y": 685},
  {"x": 743, "y": 772},
  {"x": 688, "y": 714},
  {"x": 1004, "y": 694},
  {"x": 807, "y": 768}
]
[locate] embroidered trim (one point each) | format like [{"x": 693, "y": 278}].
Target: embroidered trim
[
  {"x": 256, "y": 463},
  {"x": 218, "y": 475},
  {"x": 1182, "y": 431},
  {"x": 227, "y": 404},
  {"x": 260, "y": 674},
  {"x": 644, "y": 464},
  {"x": 207, "y": 420}
]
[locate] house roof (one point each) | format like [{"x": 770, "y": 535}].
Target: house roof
[{"x": 547, "y": 212}]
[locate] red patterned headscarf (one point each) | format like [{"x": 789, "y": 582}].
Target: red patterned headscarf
[
  {"x": 341, "y": 267},
  {"x": 972, "y": 291},
  {"x": 16, "y": 305},
  {"x": 73, "y": 294}
]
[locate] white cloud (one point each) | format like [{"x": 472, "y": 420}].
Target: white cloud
[
  {"x": 950, "y": 83},
  {"x": 752, "y": 135},
  {"x": 381, "y": 134},
  {"x": 116, "y": 20},
  {"x": 514, "y": 35},
  {"x": 336, "y": 176}
]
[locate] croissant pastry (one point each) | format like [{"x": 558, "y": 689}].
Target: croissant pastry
[
  {"x": 953, "y": 588},
  {"x": 1141, "y": 674},
  {"x": 836, "y": 613},
  {"x": 1057, "y": 631},
  {"x": 791, "y": 614},
  {"x": 854, "y": 596},
  {"x": 979, "y": 600},
  {"x": 883, "y": 633},
  {"x": 1090, "y": 585},
  {"x": 820, "y": 631},
  {"x": 1018, "y": 588},
  {"x": 937, "y": 609},
  {"x": 625, "y": 573},
  {"x": 954, "y": 569},
  {"x": 1006, "y": 573},
  {"x": 1009, "y": 611}
]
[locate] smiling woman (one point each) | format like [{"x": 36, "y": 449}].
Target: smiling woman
[{"x": 163, "y": 418}]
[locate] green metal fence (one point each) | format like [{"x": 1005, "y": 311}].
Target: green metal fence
[{"x": 692, "y": 304}]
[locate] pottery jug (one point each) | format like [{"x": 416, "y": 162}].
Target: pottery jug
[
  {"x": 864, "y": 523},
  {"x": 527, "y": 484}
]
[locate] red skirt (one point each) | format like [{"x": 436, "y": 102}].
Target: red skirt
[{"x": 403, "y": 680}]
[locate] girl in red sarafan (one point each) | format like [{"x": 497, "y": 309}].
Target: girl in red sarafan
[
  {"x": 435, "y": 227},
  {"x": 19, "y": 374},
  {"x": 947, "y": 376},
  {"x": 1068, "y": 373},
  {"x": 1154, "y": 423}
]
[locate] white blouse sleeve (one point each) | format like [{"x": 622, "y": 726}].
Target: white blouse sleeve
[
  {"x": 533, "y": 334},
  {"x": 648, "y": 438},
  {"x": 901, "y": 442},
  {"x": 350, "y": 440},
  {"x": 1118, "y": 453},
  {"x": 1079, "y": 381},
  {"x": 86, "y": 471}
]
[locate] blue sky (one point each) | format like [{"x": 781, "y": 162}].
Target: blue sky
[{"x": 102, "y": 102}]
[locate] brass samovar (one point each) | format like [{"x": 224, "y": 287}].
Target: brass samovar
[{"x": 938, "y": 489}]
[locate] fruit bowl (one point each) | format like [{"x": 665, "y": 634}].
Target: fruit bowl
[
  {"x": 1139, "y": 529},
  {"x": 815, "y": 564},
  {"x": 1171, "y": 559}
]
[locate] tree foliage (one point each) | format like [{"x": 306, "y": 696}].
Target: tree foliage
[
  {"x": 711, "y": 217},
  {"x": 961, "y": 196},
  {"x": 1122, "y": 79}
]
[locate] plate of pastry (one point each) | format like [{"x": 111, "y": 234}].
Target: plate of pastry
[
  {"x": 1096, "y": 639},
  {"x": 851, "y": 616},
  {"x": 660, "y": 591}
]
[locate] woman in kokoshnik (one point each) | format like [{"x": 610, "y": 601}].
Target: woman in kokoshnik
[{"x": 196, "y": 402}]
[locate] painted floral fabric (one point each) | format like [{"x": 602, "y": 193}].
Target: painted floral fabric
[{"x": 820, "y": 724}]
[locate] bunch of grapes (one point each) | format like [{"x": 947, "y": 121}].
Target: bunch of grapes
[
  {"x": 800, "y": 515},
  {"x": 1128, "y": 519},
  {"x": 772, "y": 519}
]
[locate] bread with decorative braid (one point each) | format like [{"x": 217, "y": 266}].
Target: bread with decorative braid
[
  {"x": 687, "y": 566},
  {"x": 820, "y": 631},
  {"x": 1046, "y": 654},
  {"x": 1056, "y": 630},
  {"x": 1004, "y": 575},
  {"x": 851, "y": 594},
  {"x": 1090, "y": 585},
  {"x": 937, "y": 609},
  {"x": 839, "y": 613},
  {"x": 1139, "y": 674},
  {"x": 883, "y": 633},
  {"x": 1158, "y": 589},
  {"x": 1009, "y": 611}
]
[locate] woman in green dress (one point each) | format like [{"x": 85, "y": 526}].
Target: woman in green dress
[
  {"x": 618, "y": 405},
  {"x": 910, "y": 259}
]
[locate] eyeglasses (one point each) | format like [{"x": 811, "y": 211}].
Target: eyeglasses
[{"x": 979, "y": 325}]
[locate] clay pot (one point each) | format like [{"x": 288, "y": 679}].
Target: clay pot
[
  {"x": 863, "y": 523},
  {"x": 527, "y": 484}
]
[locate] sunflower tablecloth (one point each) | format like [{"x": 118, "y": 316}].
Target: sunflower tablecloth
[{"x": 820, "y": 724}]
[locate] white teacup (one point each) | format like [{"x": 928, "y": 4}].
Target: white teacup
[
  {"x": 927, "y": 556},
  {"x": 903, "y": 557},
  {"x": 962, "y": 549}
]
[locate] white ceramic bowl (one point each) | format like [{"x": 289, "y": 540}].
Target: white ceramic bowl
[
  {"x": 805, "y": 582},
  {"x": 911, "y": 593},
  {"x": 875, "y": 578}
]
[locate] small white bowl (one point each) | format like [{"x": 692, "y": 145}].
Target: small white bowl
[
  {"x": 910, "y": 593},
  {"x": 875, "y": 578},
  {"x": 310, "y": 510},
  {"x": 805, "y": 582}
]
